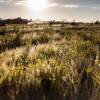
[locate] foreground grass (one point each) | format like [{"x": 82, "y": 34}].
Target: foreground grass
[{"x": 58, "y": 64}]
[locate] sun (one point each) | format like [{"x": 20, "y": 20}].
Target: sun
[{"x": 37, "y": 5}]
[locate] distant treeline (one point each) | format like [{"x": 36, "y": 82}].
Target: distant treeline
[
  {"x": 18, "y": 20},
  {"x": 73, "y": 22}
]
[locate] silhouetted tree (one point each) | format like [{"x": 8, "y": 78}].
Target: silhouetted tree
[{"x": 18, "y": 20}]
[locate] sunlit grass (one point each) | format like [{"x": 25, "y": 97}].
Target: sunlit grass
[{"x": 49, "y": 64}]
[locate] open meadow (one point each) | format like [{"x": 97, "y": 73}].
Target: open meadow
[{"x": 50, "y": 61}]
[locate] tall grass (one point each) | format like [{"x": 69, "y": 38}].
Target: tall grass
[{"x": 50, "y": 64}]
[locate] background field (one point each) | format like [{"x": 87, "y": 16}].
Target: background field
[{"x": 50, "y": 61}]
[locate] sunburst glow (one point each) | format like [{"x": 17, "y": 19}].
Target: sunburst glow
[{"x": 37, "y": 5}]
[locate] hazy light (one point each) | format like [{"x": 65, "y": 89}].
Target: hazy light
[{"x": 37, "y": 5}]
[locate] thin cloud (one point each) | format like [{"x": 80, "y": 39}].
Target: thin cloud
[
  {"x": 21, "y": 2},
  {"x": 95, "y": 8},
  {"x": 81, "y": 6},
  {"x": 70, "y": 6},
  {"x": 7, "y": 1},
  {"x": 52, "y": 4},
  {"x": 24, "y": 3}
]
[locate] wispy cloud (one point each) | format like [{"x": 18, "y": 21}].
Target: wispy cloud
[
  {"x": 22, "y": 2},
  {"x": 25, "y": 2},
  {"x": 6, "y": 0},
  {"x": 81, "y": 6},
  {"x": 53, "y": 4},
  {"x": 70, "y": 6},
  {"x": 95, "y": 8}
]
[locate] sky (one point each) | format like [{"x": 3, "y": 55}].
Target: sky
[{"x": 79, "y": 10}]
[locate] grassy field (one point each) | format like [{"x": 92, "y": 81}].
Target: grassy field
[{"x": 50, "y": 62}]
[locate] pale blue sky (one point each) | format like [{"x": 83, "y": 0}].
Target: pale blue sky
[{"x": 80, "y": 10}]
